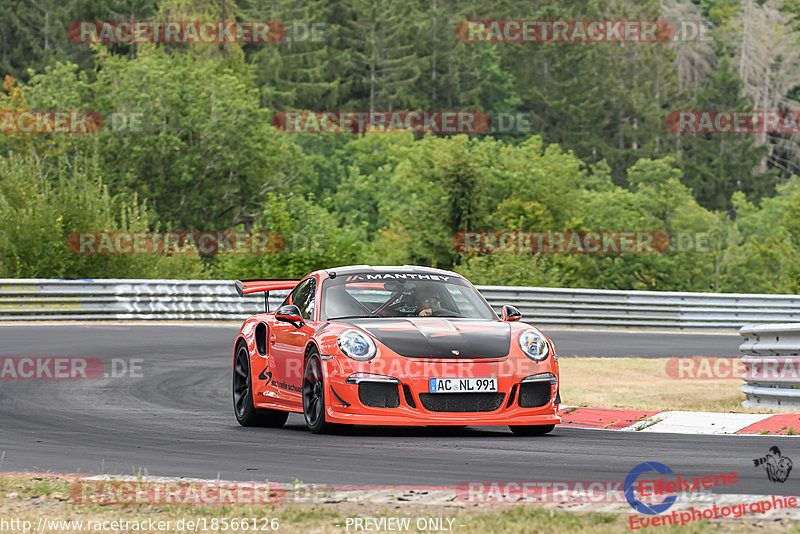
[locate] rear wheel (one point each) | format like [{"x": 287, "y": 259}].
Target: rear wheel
[
  {"x": 531, "y": 430},
  {"x": 314, "y": 397},
  {"x": 246, "y": 412}
]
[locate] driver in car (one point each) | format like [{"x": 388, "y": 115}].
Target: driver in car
[{"x": 428, "y": 305}]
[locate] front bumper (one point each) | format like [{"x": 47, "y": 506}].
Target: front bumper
[{"x": 407, "y": 401}]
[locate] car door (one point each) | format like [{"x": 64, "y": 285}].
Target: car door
[{"x": 288, "y": 342}]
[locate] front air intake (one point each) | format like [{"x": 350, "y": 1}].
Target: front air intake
[
  {"x": 379, "y": 394},
  {"x": 534, "y": 394},
  {"x": 461, "y": 402}
]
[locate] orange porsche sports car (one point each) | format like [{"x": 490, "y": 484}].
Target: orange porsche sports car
[{"x": 391, "y": 346}]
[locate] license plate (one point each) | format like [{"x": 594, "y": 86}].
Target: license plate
[{"x": 463, "y": 385}]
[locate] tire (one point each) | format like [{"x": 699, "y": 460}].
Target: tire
[
  {"x": 314, "y": 397},
  {"x": 246, "y": 413},
  {"x": 531, "y": 430}
]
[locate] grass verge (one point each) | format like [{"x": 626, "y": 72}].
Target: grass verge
[
  {"x": 29, "y": 498},
  {"x": 643, "y": 384}
]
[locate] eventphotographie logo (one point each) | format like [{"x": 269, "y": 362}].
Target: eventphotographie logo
[{"x": 630, "y": 484}]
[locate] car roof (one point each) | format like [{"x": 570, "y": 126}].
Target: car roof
[{"x": 350, "y": 269}]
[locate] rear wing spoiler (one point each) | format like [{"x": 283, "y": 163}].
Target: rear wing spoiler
[
  {"x": 245, "y": 287},
  {"x": 257, "y": 285}
]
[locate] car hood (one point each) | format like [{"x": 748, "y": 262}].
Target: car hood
[{"x": 439, "y": 337}]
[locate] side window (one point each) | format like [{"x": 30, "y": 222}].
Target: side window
[
  {"x": 308, "y": 311},
  {"x": 303, "y": 297}
]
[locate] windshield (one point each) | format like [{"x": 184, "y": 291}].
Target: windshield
[{"x": 402, "y": 295}]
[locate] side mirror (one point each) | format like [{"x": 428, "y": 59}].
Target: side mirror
[
  {"x": 289, "y": 314},
  {"x": 510, "y": 313}
]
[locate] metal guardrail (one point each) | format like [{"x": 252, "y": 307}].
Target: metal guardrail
[
  {"x": 117, "y": 299},
  {"x": 772, "y": 364},
  {"x": 644, "y": 309}
]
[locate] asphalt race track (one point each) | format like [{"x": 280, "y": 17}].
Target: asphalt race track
[
  {"x": 176, "y": 420},
  {"x": 615, "y": 344}
]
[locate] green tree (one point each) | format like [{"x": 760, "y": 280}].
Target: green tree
[
  {"x": 312, "y": 241},
  {"x": 303, "y": 71},
  {"x": 716, "y": 165},
  {"x": 763, "y": 257},
  {"x": 36, "y": 32},
  {"x": 383, "y": 61},
  {"x": 37, "y": 219},
  {"x": 207, "y": 154}
]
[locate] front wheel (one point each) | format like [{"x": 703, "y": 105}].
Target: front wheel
[
  {"x": 246, "y": 412},
  {"x": 314, "y": 397},
  {"x": 531, "y": 430}
]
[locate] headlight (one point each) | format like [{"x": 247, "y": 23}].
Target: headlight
[
  {"x": 357, "y": 345},
  {"x": 534, "y": 345}
]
